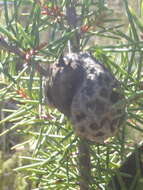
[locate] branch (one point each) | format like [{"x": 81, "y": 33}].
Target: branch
[
  {"x": 83, "y": 148},
  {"x": 72, "y": 22},
  {"x": 14, "y": 49},
  {"x": 84, "y": 165}
]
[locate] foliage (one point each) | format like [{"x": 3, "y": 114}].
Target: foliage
[{"x": 38, "y": 32}]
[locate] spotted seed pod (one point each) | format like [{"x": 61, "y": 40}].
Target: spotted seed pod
[{"x": 86, "y": 92}]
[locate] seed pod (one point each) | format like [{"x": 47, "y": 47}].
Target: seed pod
[{"x": 85, "y": 91}]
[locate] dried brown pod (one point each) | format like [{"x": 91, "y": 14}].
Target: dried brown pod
[{"x": 85, "y": 91}]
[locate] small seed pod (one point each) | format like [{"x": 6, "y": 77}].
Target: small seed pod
[{"x": 86, "y": 92}]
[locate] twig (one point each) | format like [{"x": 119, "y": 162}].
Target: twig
[
  {"x": 14, "y": 49},
  {"x": 83, "y": 147},
  {"x": 84, "y": 164},
  {"x": 72, "y": 22}
]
